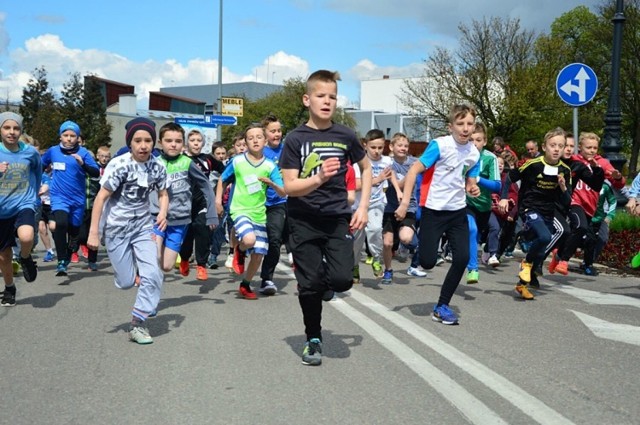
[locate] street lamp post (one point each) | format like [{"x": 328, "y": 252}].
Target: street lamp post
[
  {"x": 219, "y": 129},
  {"x": 611, "y": 144}
]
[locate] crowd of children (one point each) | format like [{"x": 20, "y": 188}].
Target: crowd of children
[{"x": 322, "y": 193}]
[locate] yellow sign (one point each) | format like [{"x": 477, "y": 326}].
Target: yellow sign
[{"x": 232, "y": 106}]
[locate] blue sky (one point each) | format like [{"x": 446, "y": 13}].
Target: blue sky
[{"x": 153, "y": 44}]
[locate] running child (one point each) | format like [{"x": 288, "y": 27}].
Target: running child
[{"x": 122, "y": 216}]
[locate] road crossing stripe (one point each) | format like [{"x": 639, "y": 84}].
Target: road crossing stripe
[
  {"x": 474, "y": 410},
  {"x": 515, "y": 395}
]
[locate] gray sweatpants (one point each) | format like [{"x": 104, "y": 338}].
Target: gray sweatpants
[{"x": 137, "y": 251}]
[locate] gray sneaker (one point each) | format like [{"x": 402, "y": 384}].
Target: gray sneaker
[
  {"x": 268, "y": 288},
  {"x": 140, "y": 335},
  {"x": 312, "y": 354}
]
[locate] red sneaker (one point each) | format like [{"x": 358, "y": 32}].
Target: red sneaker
[
  {"x": 75, "y": 258},
  {"x": 562, "y": 268},
  {"x": 247, "y": 293},
  {"x": 184, "y": 268},
  {"x": 238, "y": 261},
  {"x": 554, "y": 261},
  {"x": 201, "y": 273},
  {"x": 85, "y": 251}
]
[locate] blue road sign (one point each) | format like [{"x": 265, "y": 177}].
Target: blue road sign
[
  {"x": 577, "y": 84},
  {"x": 195, "y": 121},
  {"x": 221, "y": 119}
]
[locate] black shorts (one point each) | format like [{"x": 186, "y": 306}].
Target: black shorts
[
  {"x": 9, "y": 226},
  {"x": 45, "y": 213},
  {"x": 391, "y": 225}
]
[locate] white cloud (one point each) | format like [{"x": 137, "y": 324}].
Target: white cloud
[
  {"x": 280, "y": 67},
  {"x": 60, "y": 61}
]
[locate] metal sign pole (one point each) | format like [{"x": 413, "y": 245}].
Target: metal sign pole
[{"x": 575, "y": 129}]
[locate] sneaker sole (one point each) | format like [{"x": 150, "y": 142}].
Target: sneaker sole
[
  {"x": 312, "y": 363},
  {"x": 523, "y": 297},
  {"x": 444, "y": 322},
  {"x": 143, "y": 342},
  {"x": 62, "y": 273},
  {"x": 268, "y": 291}
]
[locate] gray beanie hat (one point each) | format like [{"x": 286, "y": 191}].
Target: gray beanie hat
[{"x": 5, "y": 116}]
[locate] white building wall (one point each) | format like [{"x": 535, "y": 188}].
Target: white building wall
[{"x": 383, "y": 95}]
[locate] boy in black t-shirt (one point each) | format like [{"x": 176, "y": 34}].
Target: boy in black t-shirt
[{"x": 314, "y": 163}]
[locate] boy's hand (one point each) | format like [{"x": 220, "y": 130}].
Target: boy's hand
[
  {"x": 401, "y": 212},
  {"x": 384, "y": 175},
  {"x": 266, "y": 180},
  {"x": 631, "y": 205},
  {"x": 78, "y": 158},
  {"x": 329, "y": 169},
  {"x": 592, "y": 161},
  {"x": 358, "y": 219},
  {"x": 503, "y": 205},
  {"x": 473, "y": 190},
  {"x": 161, "y": 221},
  {"x": 93, "y": 241},
  {"x": 562, "y": 183},
  {"x": 616, "y": 175},
  {"x": 4, "y": 166}
]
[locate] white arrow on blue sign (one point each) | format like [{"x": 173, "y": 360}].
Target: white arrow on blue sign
[{"x": 577, "y": 84}]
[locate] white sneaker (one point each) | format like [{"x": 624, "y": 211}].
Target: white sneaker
[
  {"x": 439, "y": 261},
  {"x": 485, "y": 257},
  {"x": 229, "y": 262},
  {"x": 268, "y": 288},
  {"x": 493, "y": 261},
  {"x": 413, "y": 271},
  {"x": 140, "y": 335},
  {"x": 290, "y": 259}
]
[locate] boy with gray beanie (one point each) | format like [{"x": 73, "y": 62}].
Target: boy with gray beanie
[{"x": 20, "y": 173}]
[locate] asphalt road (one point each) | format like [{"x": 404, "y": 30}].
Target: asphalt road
[{"x": 572, "y": 355}]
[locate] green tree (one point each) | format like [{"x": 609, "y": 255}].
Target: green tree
[
  {"x": 38, "y": 96},
  {"x": 629, "y": 71},
  {"x": 490, "y": 69},
  {"x": 286, "y": 104},
  {"x": 71, "y": 99},
  {"x": 94, "y": 116}
]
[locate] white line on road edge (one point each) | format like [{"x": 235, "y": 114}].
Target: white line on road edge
[
  {"x": 601, "y": 298},
  {"x": 515, "y": 395},
  {"x": 468, "y": 405}
]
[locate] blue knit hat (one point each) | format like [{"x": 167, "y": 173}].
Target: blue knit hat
[{"x": 69, "y": 125}]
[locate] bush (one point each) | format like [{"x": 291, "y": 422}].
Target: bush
[{"x": 624, "y": 221}]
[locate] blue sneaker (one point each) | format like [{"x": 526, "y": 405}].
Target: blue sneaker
[
  {"x": 444, "y": 315},
  {"x": 312, "y": 353},
  {"x": 49, "y": 257},
  {"x": 387, "y": 277},
  {"x": 61, "y": 270}
]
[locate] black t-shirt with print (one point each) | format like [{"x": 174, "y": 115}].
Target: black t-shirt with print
[{"x": 304, "y": 150}]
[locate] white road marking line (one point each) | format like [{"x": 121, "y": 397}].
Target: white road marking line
[
  {"x": 601, "y": 298},
  {"x": 515, "y": 395},
  {"x": 461, "y": 399},
  {"x": 469, "y": 406},
  {"x": 614, "y": 331}
]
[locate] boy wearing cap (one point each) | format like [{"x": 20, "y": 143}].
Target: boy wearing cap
[
  {"x": 122, "y": 215},
  {"x": 70, "y": 164},
  {"x": 20, "y": 172}
]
